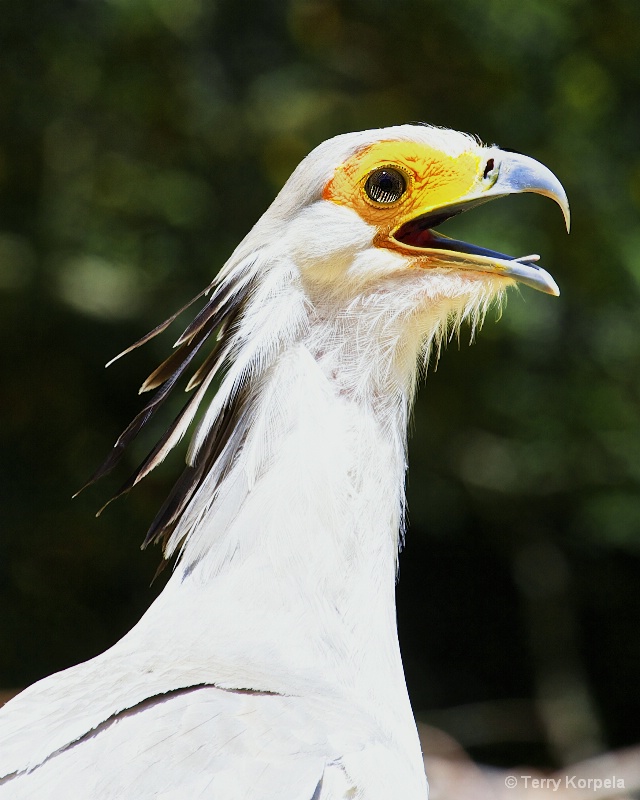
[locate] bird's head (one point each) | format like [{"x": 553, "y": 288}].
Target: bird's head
[
  {"x": 346, "y": 262},
  {"x": 364, "y": 206}
]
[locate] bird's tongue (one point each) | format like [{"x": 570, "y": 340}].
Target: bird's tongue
[{"x": 418, "y": 233}]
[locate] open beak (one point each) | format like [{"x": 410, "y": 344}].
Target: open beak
[{"x": 505, "y": 174}]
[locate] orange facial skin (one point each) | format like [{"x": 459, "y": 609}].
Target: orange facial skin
[{"x": 434, "y": 179}]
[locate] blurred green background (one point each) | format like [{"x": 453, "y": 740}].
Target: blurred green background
[{"x": 141, "y": 139}]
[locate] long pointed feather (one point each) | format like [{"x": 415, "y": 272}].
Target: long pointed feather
[
  {"x": 166, "y": 518},
  {"x": 159, "y": 328},
  {"x": 211, "y": 364},
  {"x": 218, "y": 453},
  {"x": 231, "y": 292},
  {"x": 220, "y": 303},
  {"x": 167, "y": 442},
  {"x": 168, "y": 367},
  {"x": 130, "y": 432},
  {"x": 219, "y": 311},
  {"x": 140, "y": 420}
]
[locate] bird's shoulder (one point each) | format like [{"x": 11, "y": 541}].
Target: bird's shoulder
[{"x": 209, "y": 742}]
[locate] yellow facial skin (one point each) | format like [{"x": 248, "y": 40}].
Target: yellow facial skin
[
  {"x": 439, "y": 186},
  {"x": 434, "y": 180}
]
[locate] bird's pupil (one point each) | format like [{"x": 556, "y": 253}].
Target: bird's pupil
[{"x": 385, "y": 185}]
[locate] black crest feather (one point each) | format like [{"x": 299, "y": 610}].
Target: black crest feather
[{"x": 220, "y": 315}]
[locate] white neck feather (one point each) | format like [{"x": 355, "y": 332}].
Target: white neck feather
[
  {"x": 322, "y": 444},
  {"x": 304, "y": 525}
]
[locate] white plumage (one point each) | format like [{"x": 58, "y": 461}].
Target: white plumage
[{"x": 269, "y": 666}]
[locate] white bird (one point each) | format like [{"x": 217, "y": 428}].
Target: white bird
[{"x": 269, "y": 666}]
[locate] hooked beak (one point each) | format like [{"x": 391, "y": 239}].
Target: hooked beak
[{"x": 504, "y": 174}]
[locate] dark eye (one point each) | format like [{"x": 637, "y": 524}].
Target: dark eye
[{"x": 385, "y": 185}]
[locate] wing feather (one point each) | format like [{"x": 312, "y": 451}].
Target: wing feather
[{"x": 202, "y": 742}]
